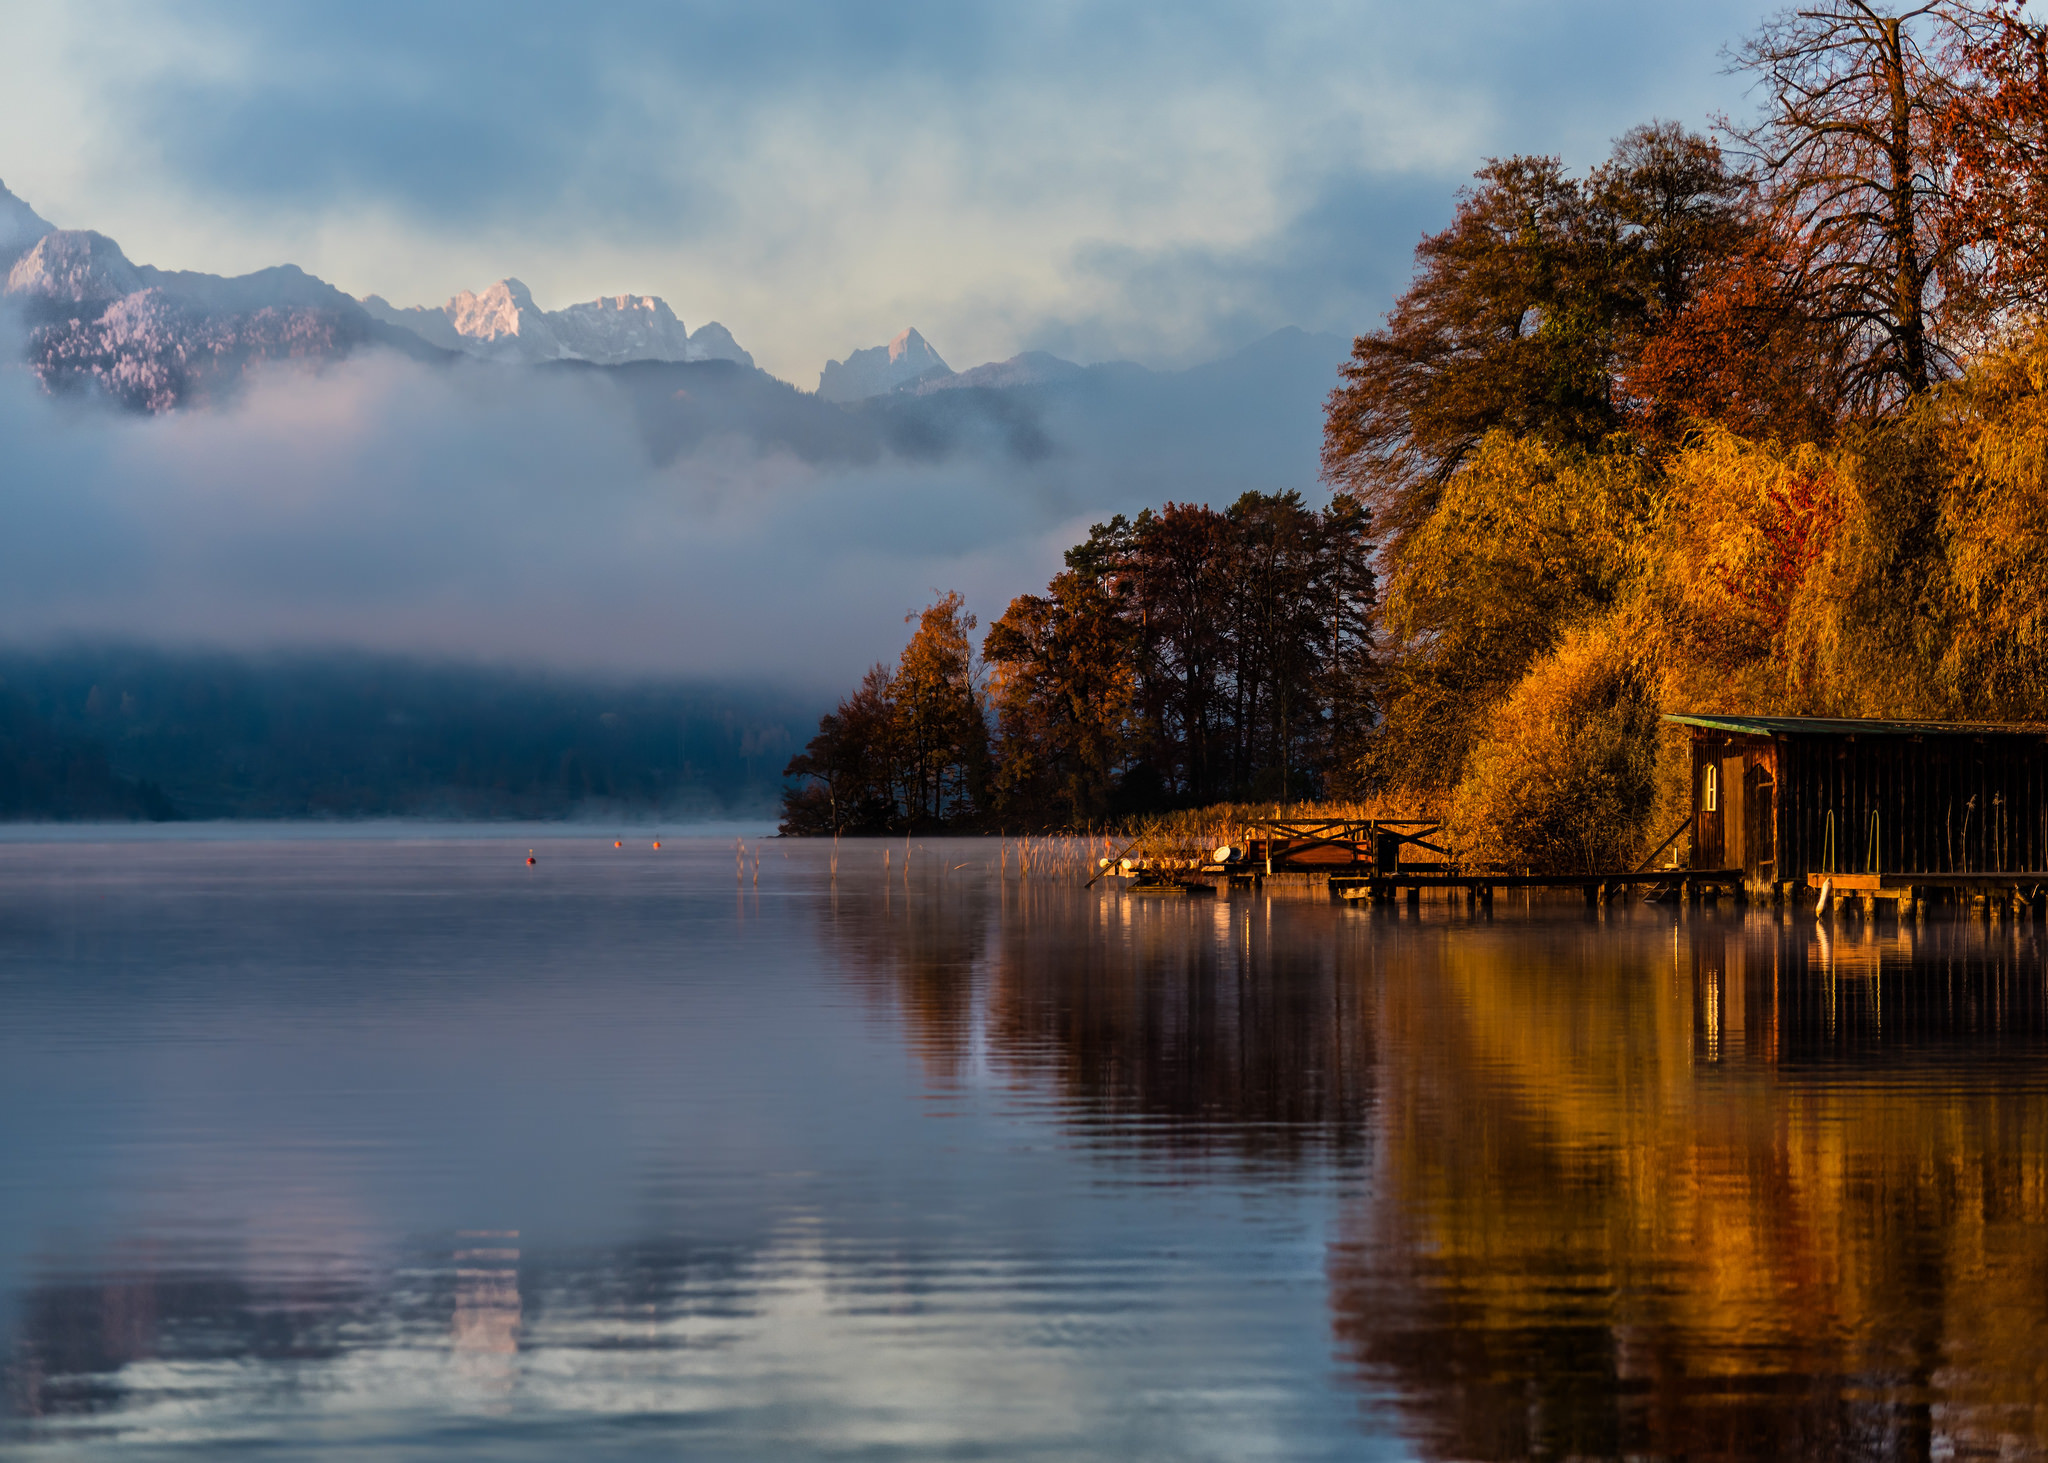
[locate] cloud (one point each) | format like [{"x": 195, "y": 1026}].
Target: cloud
[
  {"x": 818, "y": 175},
  {"x": 566, "y": 519}
]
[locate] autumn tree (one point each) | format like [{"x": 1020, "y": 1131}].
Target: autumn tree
[
  {"x": 1506, "y": 326},
  {"x": 943, "y": 738},
  {"x": 1064, "y": 692},
  {"x": 1567, "y": 777},
  {"x": 1746, "y": 353},
  {"x": 1296, "y": 621},
  {"x": 1189, "y": 655},
  {"x": 1350, "y": 676},
  {"x": 1175, "y": 561},
  {"x": 1853, "y": 161},
  {"x": 1997, "y": 128},
  {"x": 1526, "y": 313},
  {"x": 1526, "y": 541},
  {"x": 849, "y": 769},
  {"x": 1676, "y": 213},
  {"x": 909, "y": 748}
]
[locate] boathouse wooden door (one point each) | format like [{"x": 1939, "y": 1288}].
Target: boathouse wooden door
[
  {"x": 1734, "y": 821},
  {"x": 1759, "y": 857}
]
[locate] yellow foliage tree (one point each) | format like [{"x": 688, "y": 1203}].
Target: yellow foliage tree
[
  {"x": 1524, "y": 541},
  {"x": 1748, "y": 567},
  {"x": 1994, "y": 526},
  {"x": 1564, "y": 775}
]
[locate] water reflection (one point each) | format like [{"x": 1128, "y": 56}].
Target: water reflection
[
  {"x": 254, "y": 1103},
  {"x": 1203, "y": 1029},
  {"x": 917, "y": 951},
  {"x": 1753, "y": 1189},
  {"x": 134, "y": 1338},
  {"x": 949, "y": 1163}
]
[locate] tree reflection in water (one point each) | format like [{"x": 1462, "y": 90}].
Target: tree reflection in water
[
  {"x": 1767, "y": 1191},
  {"x": 1174, "y": 1028},
  {"x": 1727, "y": 1186}
]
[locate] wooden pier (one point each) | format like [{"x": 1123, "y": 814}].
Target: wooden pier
[
  {"x": 1338, "y": 845},
  {"x": 2021, "y": 891},
  {"x": 1387, "y": 860},
  {"x": 1690, "y": 885}
]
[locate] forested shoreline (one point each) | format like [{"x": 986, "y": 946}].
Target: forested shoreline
[
  {"x": 1749, "y": 423},
  {"x": 123, "y": 732}
]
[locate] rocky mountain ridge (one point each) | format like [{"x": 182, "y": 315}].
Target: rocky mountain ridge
[
  {"x": 504, "y": 324},
  {"x": 903, "y": 362},
  {"x": 20, "y": 227},
  {"x": 909, "y": 364},
  {"x": 154, "y": 339}
]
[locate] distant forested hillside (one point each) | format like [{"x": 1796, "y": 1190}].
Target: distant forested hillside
[
  {"x": 46, "y": 774},
  {"x": 216, "y": 736}
]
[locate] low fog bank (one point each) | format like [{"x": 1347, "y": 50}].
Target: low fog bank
[
  {"x": 129, "y": 732},
  {"x": 673, "y": 521},
  {"x": 381, "y": 587}
]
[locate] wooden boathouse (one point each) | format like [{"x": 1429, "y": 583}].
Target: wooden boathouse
[{"x": 1904, "y": 810}]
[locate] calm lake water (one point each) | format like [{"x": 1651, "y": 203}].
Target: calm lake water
[{"x": 405, "y": 1150}]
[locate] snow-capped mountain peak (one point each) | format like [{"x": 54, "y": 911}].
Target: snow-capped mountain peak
[
  {"x": 74, "y": 266},
  {"x": 503, "y": 311},
  {"x": 153, "y": 338},
  {"x": 503, "y": 323},
  {"x": 623, "y": 328}
]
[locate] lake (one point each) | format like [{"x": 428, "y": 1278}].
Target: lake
[{"x": 397, "y": 1147}]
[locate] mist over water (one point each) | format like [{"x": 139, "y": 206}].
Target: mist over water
[{"x": 411, "y": 1149}]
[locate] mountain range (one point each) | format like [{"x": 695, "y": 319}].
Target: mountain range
[
  {"x": 504, "y": 324},
  {"x": 155, "y": 339}
]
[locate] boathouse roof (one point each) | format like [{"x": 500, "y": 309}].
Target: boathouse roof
[{"x": 1832, "y": 726}]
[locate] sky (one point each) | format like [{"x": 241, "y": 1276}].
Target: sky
[
  {"x": 1099, "y": 178},
  {"x": 1107, "y": 181}
]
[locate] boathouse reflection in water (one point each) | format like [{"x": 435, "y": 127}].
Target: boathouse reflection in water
[{"x": 1774, "y": 1191}]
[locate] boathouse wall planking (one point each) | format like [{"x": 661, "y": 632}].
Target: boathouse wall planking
[{"x": 1788, "y": 797}]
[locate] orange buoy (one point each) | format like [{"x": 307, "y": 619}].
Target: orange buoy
[
  {"x": 657, "y": 843},
  {"x": 529, "y": 858},
  {"x": 616, "y": 843}
]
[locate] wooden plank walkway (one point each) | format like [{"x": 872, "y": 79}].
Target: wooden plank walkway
[
  {"x": 1996, "y": 879},
  {"x": 1479, "y": 887},
  {"x": 2022, "y": 891}
]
